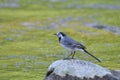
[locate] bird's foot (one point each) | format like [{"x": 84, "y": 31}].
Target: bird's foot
[{"x": 68, "y": 58}]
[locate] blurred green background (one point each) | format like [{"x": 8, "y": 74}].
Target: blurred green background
[{"x": 27, "y": 43}]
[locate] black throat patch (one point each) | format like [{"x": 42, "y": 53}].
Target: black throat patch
[{"x": 59, "y": 39}]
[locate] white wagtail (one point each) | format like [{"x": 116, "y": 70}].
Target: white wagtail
[{"x": 72, "y": 45}]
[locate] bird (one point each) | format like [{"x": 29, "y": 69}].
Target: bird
[{"x": 72, "y": 45}]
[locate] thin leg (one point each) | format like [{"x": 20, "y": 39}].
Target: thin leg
[
  {"x": 70, "y": 54},
  {"x": 73, "y": 54}
]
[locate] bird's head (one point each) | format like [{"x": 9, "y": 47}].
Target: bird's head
[{"x": 60, "y": 34}]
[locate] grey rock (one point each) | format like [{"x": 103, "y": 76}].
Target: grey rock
[{"x": 73, "y": 69}]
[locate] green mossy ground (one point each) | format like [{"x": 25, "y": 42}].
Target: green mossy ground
[{"x": 27, "y": 43}]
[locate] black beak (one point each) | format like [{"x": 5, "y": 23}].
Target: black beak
[{"x": 55, "y": 34}]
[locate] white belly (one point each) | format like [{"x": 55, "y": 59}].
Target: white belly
[
  {"x": 70, "y": 49},
  {"x": 67, "y": 48}
]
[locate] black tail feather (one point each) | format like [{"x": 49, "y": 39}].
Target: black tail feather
[{"x": 92, "y": 55}]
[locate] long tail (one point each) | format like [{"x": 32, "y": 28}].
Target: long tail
[{"x": 92, "y": 55}]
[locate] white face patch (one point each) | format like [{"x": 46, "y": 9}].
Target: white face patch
[{"x": 60, "y": 35}]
